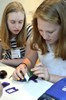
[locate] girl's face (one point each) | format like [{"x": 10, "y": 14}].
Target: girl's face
[
  {"x": 49, "y": 31},
  {"x": 15, "y": 21}
]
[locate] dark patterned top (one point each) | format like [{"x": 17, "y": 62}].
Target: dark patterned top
[{"x": 7, "y": 54}]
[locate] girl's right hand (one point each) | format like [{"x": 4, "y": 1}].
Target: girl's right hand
[
  {"x": 41, "y": 71},
  {"x": 20, "y": 72}
]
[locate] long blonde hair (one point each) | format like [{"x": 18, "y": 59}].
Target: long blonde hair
[
  {"x": 5, "y": 37},
  {"x": 52, "y": 11}
]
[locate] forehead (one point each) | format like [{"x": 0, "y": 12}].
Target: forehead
[
  {"x": 42, "y": 24},
  {"x": 16, "y": 15}
]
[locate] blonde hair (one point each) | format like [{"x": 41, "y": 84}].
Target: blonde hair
[
  {"x": 52, "y": 11},
  {"x": 5, "y": 37}
]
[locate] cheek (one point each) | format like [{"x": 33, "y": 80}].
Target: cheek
[
  {"x": 10, "y": 27},
  {"x": 41, "y": 34},
  {"x": 21, "y": 26},
  {"x": 55, "y": 36}
]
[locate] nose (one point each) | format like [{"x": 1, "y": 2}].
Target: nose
[
  {"x": 45, "y": 35},
  {"x": 17, "y": 25}
]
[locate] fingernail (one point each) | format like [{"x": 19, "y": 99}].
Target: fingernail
[
  {"x": 18, "y": 79},
  {"x": 22, "y": 78}
]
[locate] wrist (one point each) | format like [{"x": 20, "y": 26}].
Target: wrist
[{"x": 26, "y": 62}]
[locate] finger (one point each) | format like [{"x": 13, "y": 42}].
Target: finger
[
  {"x": 20, "y": 74},
  {"x": 38, "y": 72},
  {"x": 15, "y": 76},
  {"x": 36, "y": 68},
  {"x": 40, "y": 64},
  {"x": 41, "y": 76}
]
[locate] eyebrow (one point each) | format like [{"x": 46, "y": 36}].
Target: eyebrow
[
  {"x": 47, "y": 30},
  {"x": 15, "y": 20}
]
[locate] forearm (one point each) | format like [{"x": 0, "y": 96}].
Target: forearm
[
  {"x": 11, "y": 62},
  {"x": 30, "y": 58},
  {"x": 30, "y": 55},
  {"x": 29, "y": 62},
  {"x": 55, "y": 78}
]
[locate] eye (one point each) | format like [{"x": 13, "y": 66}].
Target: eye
[
  {"x": 21, "y": 21},
  {"x": 13, "y": 22},
  {"x": 50, "y": 32},
  {"x": 40, "y": 31}
]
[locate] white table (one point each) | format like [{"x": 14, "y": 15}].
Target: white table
[
  {"x": 26, "y": 90},
  {"x": 8, "y": 69}
]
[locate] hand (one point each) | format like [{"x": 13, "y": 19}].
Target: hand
[
  {"x": 1, "y": 89},
  {"x": 20, "y": 72},
  {"x": 41, "y": 71},
  {"x": 1, "y": 61}
]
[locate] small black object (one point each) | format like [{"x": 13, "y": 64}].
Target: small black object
[
  {"x": 4, "y": 84},
  {"x": 45, "y": 97},
  {"x": 3, "y": 74},
  {"x": 33, "y": 77},
  {"x": 22, "y": 80}
]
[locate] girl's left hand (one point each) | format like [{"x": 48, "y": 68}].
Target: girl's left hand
[{"x": 41, "y": 71}]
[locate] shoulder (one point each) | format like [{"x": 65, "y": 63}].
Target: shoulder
[
  {"x": 29, "y": 27},
  {"x": 29, "y": 30}
]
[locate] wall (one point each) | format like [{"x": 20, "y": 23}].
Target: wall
[{"x": 29, "y": 5}]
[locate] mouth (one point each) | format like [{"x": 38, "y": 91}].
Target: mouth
[
  {"x": 48, "y": 40},
  {"x": 16, "y": 31}
]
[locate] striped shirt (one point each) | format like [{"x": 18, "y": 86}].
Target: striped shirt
[{"x": 7, "y": 54}]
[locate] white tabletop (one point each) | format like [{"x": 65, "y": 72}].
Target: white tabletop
[
  {"x": 8, "y": 69},
  {"x": 26, "y": 90}
]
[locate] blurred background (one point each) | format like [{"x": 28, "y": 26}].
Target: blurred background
[{"x": 29, "y": 6}]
